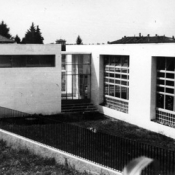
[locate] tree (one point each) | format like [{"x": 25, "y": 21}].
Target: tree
[
  {"x": 33, "y": 36},
  {"x": 4, "y": 30},
  {"x": 39, "y": 38},
  {"x": 79, "y": 40},
  {"x": 17, "y": 39}
]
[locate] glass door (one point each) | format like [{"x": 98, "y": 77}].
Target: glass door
[{"x": 76, "y": 77}]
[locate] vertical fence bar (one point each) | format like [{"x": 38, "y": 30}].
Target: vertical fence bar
[
  {"x": 111, "y": 157},
  {"x": 122, "y": 156},
  {"x": 76, "y": 141},
  {"x": 173, "y": 162}
]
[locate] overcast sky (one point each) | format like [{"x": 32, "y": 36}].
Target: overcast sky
[{"x": 96, "y": 21}]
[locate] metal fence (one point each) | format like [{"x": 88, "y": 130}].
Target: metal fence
[{"x": 108, "y": 150}]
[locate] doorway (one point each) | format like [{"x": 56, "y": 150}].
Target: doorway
[{"x": 76, "y": 77}]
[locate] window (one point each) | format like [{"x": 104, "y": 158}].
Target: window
[
  {"x": 116, "y": 82},
  {"x": 27, "y": 61},
  {"x": 76, "y": 73},
  {"x": 165, "y": 101}
]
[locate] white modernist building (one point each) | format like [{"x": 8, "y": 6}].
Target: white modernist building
[
  {"x": 134, "y": 83},
  {"x": 130, "y": 82},
  {"x": 30, "y": 79}
]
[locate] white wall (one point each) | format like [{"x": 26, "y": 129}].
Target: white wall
[
  {"x": 31, "y": 90},
  {"x": 142, "y": 80}
]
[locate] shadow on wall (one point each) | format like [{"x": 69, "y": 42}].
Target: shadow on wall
[{"x": 95, "y": 87}]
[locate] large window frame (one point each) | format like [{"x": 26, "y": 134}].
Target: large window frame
[
  {"x": 116, "y": 82},
  {"x": 165, "y": 93}
]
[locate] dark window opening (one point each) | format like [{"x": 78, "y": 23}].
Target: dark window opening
[{"x": 27, "y": 61}]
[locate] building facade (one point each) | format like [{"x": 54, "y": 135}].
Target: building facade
[
  {"x": 134, "y": 83},
  {"x": 30, "y": 78}
]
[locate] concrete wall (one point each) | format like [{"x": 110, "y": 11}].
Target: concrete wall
[
  {"x": 142, "y": 80},
  {"x": 31, "y": 90}
]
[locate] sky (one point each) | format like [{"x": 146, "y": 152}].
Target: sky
[{"x": 96, "y": 21}]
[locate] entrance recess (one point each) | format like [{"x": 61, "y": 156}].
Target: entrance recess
[{"x": 76, "y": 76}]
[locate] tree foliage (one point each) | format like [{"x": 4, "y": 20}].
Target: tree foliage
[
  {"x": 79, "y": 40},
  {"x": 17, "y": 39},
  {"x": 4, "y": 30},
  {"x": 33, "y": 36}
]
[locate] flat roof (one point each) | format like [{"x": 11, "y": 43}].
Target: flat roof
[{"x": 75, "y": 53}]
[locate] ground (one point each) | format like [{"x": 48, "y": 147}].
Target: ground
[
  {"x": 119, "y": 128},
  {"x": 23, "y": 162}
]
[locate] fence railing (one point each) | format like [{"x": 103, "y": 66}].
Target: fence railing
[{"x": 108, "y": 150}]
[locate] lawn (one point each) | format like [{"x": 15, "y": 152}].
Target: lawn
[
  {"x": 111, "y": 126},
  {"x": 22, "y": 162}
]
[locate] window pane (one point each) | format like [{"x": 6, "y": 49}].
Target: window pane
[
  {"x": 117, "y": 81},
  {"x": 106, "y": 89},
  {"x": 117, "y": 69},
  {"x": 124, "y": 82},
  {"x": 170, "y": 91},
  {"x": 118, "y": 61},
  {"x": 124, "y": 76},
  {"x": 111, "y": 75},
  {"x": 106, "y": 67},
  {"x": 169, "y": 102},
  {"x": 112, "y": 60},
  {"x": 117, "y": 75},
  {"x": 19, "y": 61},
  {"x": 111, "y": 90},
  {"x": 106, "y": 80},
  {"x": 111, "y": 80},
  {"x": 80, "y": 68},
  {"x": 111, "y": 69},
  {"x": 160, "y": 101},
  {"x": 160, "y": 82},
  {"x": 117, "y": 91},
  {"x": 170, "y": 83},
  {"x": 46, "y": 60},
  {"x": 106, "y": 60},
  {"x": 169, "y": 75},
  {"x": 124, "y": 92},
  {"x": 160, "y": 74},
  {"x": 124, "y": 70},
  {"x": 160, "y": 89},
  {"x": 170, "y": 64},
  {"x": 63, "y": 80},
  {"x": 86, "y": 69},
  {"x": 5, "y": 61},
  {"x": 161, "y": 63},
  {"x": 106, "y": 74},
  {"x": 32, "y": 61},
  {"x": 86, "y": 59},
  {"x": 125, "y": 61}
]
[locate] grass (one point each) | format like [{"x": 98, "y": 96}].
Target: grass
[
  {"x": 22, "y": 162},
  {"x": 120, "y": 128},
  {"x": 105, "y": 124}
]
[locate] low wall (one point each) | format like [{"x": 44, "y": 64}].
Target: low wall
[{"x": 61, "y": 157}]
